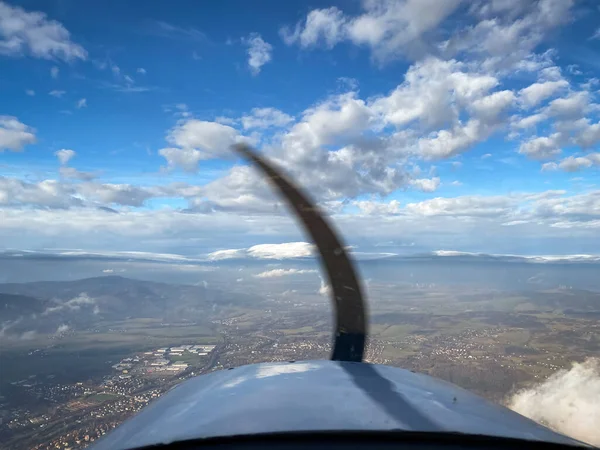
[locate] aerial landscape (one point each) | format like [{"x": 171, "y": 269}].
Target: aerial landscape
[
  {"x": 80, "y": 356},
  {"x": 453, "y": 144}
]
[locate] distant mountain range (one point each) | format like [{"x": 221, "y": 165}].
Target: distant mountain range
[
  {"x": 232, "y": 255},
  {"x": 45, "y": 306}
]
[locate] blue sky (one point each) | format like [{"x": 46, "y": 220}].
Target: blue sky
[{"x": 419, "y": 125}]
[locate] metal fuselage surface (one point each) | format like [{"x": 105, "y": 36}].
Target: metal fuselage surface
[{"x": 318, "y": 396}]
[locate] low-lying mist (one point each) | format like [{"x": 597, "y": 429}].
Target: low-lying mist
[{"x": 568, "y": 401}]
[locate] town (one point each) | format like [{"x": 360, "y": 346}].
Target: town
[{"x": 94, "y": 409}]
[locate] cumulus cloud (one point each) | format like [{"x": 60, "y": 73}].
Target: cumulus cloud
[
  {"x": 542, "y": 147},
  {"x": 14, "y": 135},
  {"x": 194, "y": 140},
  {"x": 426, "y": 184},
  {"x": 566, "y": 401},
  {"x": 259, "y": 52},
  {"x": 33, "y": 33},
  {"x": 573, "y": 106},
  {"x": 64, "y": 155},
  {"x": 276, "y": 273},
  {"x": 81, "y": 103},
  {"x": 44, "y": 194},
  {"x": 185, "y": 158},
  {"x": 56, "y": 93},
  {"x": 265, "y": 118},
  {"x": 535, "y": 93},
  {"x": 321, "y": 25},
  {"x": 573, "y": 163},
  {"x": 389, "y": 29},
  {"x": 63, "y": 328}
]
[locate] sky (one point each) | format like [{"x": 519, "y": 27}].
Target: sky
[{"x": 419, "y": 126}]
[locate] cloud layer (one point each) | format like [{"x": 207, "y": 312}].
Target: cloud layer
[{"x": 566, "y": 401}]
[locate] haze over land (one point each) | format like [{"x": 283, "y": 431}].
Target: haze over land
[{"x": 493, "y": 325}]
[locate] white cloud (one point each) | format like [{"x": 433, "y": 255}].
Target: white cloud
[
  {"x": 542, "y": 147},
  {"x": 324, "y": 288},
  {"x": 81, "y": 103},
  {"x": 64, "y": 155},
  {"x": 259, "y": 52},
  {"x": 121, "y": 194},
  {"x": 185, "y": 158},
  {"x": 529, "y": 121},
  {"x": 281, "y": 251},
  {"x": 376, "y": 208},
  {"x": 276, "y": 273},
  {"x": 321, "y": 25},
  {"x": 266, "y": 251},
  {"x": 211, "y": 137},
  {"x": 194, "y": 140},
  {"x": 469, "y": 205},
  {"x": 226, "y": 254},
  {"x": 265, "y": 118},
  {"x": 497, "y": 36},
  {"x": 141, "y": 70},
  {"x": 389, "y": 29},
  {"x": 30, "y": 92},
  {"x": 504, "y": 38},
  {"x": 73, "y": 304},
  {"x": 447, "y": 143},
  {"x": 54, "y": 71},
  {"x": 44, "y": 194},
  {"x": 426, "y": 184},
  {"x": 566, "y": 401},
  {"x": 32, "y": 33},
  {"x": 459, "y": 221},
  {"x": 62, "y": 328},
  {"x": 14, "y": 135},
  {"x": 488, "y": 109},
  {"x": 537, "y": 92},
  {"x": 56, "y": 93},
  {"x": 573, "y": 106},
  {"x": 573, "y": 163},
  {"x": 338, "y": 117},
  {"x": 74, "y": 174},
  {"x": 432, "y": 93}
]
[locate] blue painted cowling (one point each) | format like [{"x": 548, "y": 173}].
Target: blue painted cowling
[{"x": 318, "y": 396}]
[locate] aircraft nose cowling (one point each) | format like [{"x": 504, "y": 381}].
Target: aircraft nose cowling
[{"x": 318, "y": 396}]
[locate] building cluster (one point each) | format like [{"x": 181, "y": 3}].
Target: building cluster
[{"x": 166, "y": 359}]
